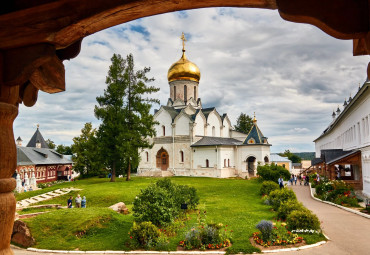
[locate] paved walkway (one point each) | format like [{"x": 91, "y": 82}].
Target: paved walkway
[{"x": 349, "y": 233}]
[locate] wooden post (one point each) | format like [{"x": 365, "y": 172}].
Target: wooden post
[{"x": 8, "y": 163}]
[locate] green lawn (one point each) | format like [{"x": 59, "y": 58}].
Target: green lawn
[{"x": 234, "y": 202}]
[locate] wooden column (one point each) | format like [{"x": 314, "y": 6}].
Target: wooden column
[{"x": 8, "y": 164}]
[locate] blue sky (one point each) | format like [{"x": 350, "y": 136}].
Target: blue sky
[{"x": 292, "y": 75}]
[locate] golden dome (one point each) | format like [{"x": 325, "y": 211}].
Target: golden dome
[{"x": 183, "y": 70}]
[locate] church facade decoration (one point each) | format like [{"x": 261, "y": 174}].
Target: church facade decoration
[{"x": 195, "y": 141}]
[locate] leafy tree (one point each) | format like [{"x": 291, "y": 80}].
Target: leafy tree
[
  {"x": 244, "y": 123},
  {"x": 85, "y": 152},
  {"x": 64, "y": 149},
  {"x": 124, "y": 112},
  {"x": 50, "y": 143},
  {"x": 272, "y": 172},
  {"x": 291, "y": 156}
]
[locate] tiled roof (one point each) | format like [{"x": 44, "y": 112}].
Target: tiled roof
[
  {"x": 213, "y": 141},
  {"x": 40, "y": 156},
  {"x": 207, "y": 111},
  {"x": 316, "y": 161},
  {"x": 341, "y": 156},
  {"x": 329, "y": 155},
  {"x": 256, "y": 134},
  {"x": 37, "y": 138},
  {"x": 277, "y": 158}
]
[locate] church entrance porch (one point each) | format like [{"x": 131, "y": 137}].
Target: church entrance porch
[
  {"x": 162, "y": 159},
  {"x": 251, "y": 166}
]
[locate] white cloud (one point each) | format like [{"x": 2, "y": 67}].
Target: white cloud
[{"x": 292, "y": 75}]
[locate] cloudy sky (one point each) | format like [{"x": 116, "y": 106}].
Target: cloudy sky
[{"x": 292, "y": 75}]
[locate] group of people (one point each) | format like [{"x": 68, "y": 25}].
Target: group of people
[
  {"x": 80, "y": 202},
  {"x": 294, "y": 178}
]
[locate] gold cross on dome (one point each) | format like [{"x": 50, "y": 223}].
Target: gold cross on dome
[
  {"x": 38, "y": 126},
  {"x": 183, "y": 41}
]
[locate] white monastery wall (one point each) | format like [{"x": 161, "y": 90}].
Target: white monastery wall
[
  {"x": 237, "y": 135},
  {"x": 226, "y": 129},
  {"x": 199, "y": 126},
  {"x": 201, "y": 154},
  {"x": 165, "y": 120},
  {"x": 182, "y": 125},
  {"x": 213, "y": 121}
]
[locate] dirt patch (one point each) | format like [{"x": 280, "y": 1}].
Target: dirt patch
[{"x": 276, "y": 247}]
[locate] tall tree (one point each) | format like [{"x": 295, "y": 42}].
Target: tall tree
[
  {"x": 50, "y": 143},
  {"x": 125, "y": 114},
  {"x": 85, "y": 152},
  {"x": 243, "y": 123},
  {"x": 291, "y": 156}
]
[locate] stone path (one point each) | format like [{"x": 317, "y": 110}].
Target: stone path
[
  {"x": 349, "y": 233},
  {"x": 49, "y": 195}
]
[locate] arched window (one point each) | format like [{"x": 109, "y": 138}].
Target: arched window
[
  {"x": 213, "y": 131},
  {"x": 207, "y": 163},
  {"x": 174, "y": 92},
  {"x": 228, "y": 162},
  {"x": 284, "y": 165},
  {"x": 147, "y": 156},
  {"x": 195, "y": 93},
  {"x": 224, "y": 162},
  {"x": 164, "y": 130},
  {"x": 185, "y": 93},
  {"x": 181, "y": 156}
]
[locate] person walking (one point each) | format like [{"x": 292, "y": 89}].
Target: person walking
[
  {"x": 69, "y": 202},
  {"x": 295, "y": 179},
  {"x": 300, "y": 179},
  {"x": 78, "y": 201},
  {"x": 83, "y": 202},
  {"x": 281, "y": 182}
]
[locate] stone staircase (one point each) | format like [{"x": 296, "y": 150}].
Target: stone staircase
[{"x": 49, "y": 195}]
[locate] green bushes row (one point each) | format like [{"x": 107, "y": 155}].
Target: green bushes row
[
  {"x": 285, "y": 202},
  {"x": 160, "y": 203},
  {"x": 272, "y": 172},
  {"x": 337, "y": 192}
]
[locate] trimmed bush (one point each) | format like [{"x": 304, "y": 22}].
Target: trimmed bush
[
  {"x": 144, "y": 234},
  {"x": 272, "y": 172},
  {"x": 287, "y": 207},
  {"x": 303, "y": 219},
  {"x": 161, "y": 202},
  {"x": 279, "y": 196},
  {"x": 268, "y": 186}
]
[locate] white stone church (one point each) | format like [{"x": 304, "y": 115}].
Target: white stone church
[{"x": 196, "y": 141}]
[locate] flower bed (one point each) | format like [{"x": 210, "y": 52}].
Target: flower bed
[{"x": 279, "y": 236}]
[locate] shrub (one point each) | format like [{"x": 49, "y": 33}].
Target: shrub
[
  {"x": 207, "y": 236},
  {"x": 303, "y": 219},
  {"x": 144, "y": 234},
  {"x": 287, "y": 207},
  {"x": 268, "y": 186},
  {"x": 161, "y": 202},
  {"x": 266, "y": 229},
  {"x": 346, "y": 200},
  {"x": 272, "y": 172},
  {"x": 276, "y": 197}
]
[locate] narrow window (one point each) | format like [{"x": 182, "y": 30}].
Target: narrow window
[
  {"x": 284, "y": 165},
  {"x": 147, "y": 156},
  {"x": 185, "y": 93},
  {"x": 224, "y": 162},
  {"x": 207, "y": 163},
  {"x": 195, "y": 93},
  {"x": 228, "y": 162},
  {"x": 174, "y": 92},
  {"x": 164, "y": 130},
  {"x": 213, "y": 131},
  {"x": 182, "y": 156}
]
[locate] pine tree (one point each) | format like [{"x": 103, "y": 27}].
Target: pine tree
[
  {"x": 125, "y": 114},
  {"x": 244, "y": 123}
]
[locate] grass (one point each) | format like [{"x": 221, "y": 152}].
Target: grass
[
  {"x": 234, "y": 202},
  {"x": 34, "y": 210}
]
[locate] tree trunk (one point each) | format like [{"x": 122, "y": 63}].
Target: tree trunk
[
  {"x": 113, "y": 177},
  {"x": 128, "y": 171}
]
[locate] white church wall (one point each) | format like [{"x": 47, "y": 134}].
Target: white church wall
[
  {"x": 226, "y": 157},
  {"x": 182, "y": 167},
  {"x": 199, "y": 126},
  {"x": 165, "y": 120},
  {"x": 257, "y": 151},
  {"x": 182, "y": 125},
  {"x": 213, "y": 123},
  {"x": 226, "y": 129},
  {"x": 200, "y": 156},
  {"x": 238, "y": 135}
]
